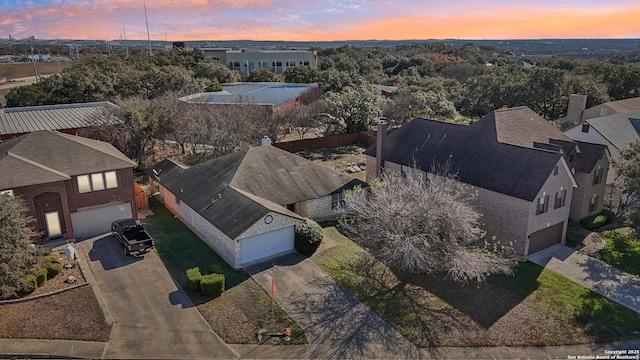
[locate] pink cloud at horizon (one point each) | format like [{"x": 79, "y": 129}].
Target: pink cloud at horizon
[{"x": 308, "y": 21}]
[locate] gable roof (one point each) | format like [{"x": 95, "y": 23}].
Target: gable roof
[
  {"x": 620, "y": 129},
  {"x": 522, "y": 126},
  {"x": 612, "y": 108},
  {"x": 21, "y": 120},
  {"x": 45, "y": 156},
  {"x": 234, "y": 191},
  {"x": 474, "y": 154},
  {"x": 589, "y": 155}
]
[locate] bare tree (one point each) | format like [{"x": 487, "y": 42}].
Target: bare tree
[{"x": 420, "y": 226}]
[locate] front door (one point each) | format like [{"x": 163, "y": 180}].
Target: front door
[{"x": 53, "y": 224}]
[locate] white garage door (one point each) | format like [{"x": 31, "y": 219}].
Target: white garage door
[
  {"x": 93, "y": 222},
  {"x": 265, "y": 245}
]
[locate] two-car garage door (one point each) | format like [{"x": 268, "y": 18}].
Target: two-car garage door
[
  {"x": 96, "y": 221},
  {"x": 267, "y": 244},
  {"x": 546, "y": 237}
]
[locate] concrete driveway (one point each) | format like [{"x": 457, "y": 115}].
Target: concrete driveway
[
  {"x": 152, "y": 317},
  {"x": 591, "y": 273},
  {"x": 336, "y": 324}
]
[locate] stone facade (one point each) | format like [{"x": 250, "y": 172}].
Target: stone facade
[{"x": 317, "y": 209}]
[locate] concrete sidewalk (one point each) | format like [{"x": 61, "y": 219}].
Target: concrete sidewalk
[
  {"x": 591, "y": 273},
  {"x": 337, "y": 325}
]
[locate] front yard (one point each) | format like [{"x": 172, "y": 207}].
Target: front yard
[
  {"x": 242, "y": 309},
  {"x": 622, "y": 251},
  {"x": 534, "y": 307}
]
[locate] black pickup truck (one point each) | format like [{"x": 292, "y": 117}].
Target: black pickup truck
[{"x": 133, "y": 238}]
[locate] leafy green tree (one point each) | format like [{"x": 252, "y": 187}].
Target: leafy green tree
[
  {"x": 264, "y": 75},
  {"x": 301, "y": 75},
  {"x": 17, "y": 255},
  {"x": 214, "y": 71},
  {"x": 626, "y": 188},
  {"x": 30, "y": 95},
  {"x": 357, "y": 106}
]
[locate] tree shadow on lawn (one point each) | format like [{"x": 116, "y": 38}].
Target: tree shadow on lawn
[{"x": 484, "y": 303}]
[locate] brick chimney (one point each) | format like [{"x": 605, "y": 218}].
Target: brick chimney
[
  {"x": 381, "y": 139},
  {"x": 577, "y": 104}
]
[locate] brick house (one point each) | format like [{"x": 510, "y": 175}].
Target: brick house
[
  {"x": 73, "y": 186},
  {"x": 522, "y": 171},
  {"x": 245, "y": 205}
]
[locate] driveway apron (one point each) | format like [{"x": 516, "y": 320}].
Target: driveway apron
[
  {"x": 591, "y": 273},
  {"x": 152, "y": 316},
  {"x": 337, "y": 325}
]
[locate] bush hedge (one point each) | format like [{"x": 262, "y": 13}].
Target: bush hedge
[
  {"x": 53, "y": 269},
  {"x": 51, "y": 259},
  {"x": 596, "y": 221},
  {"x": 215, "y": 269},
  {"x": 41, "y": 276},
  {"x": 308, "y": 237},
  {"x": 194, "y": 276},
  {"x": 212, "y": 284},
  {"x": 30, "y": 283}
]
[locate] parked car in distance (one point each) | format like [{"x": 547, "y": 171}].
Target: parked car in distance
[{"x": 132, "y": 236}]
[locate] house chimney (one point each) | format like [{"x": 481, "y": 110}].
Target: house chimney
[
  {"x": 577, "y": 104},
  {"x": 266, "y": 141},
  {"x": 381, "y": 139}
]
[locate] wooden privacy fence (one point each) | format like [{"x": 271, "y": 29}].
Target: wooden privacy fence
[
  {"x": 326, "y": 142},
  {"x": 142, "y": 199}
]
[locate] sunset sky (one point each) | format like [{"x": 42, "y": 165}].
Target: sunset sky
[{"x": 319, "y": 20}]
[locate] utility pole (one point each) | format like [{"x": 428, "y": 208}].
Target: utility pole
[
  {"x": 33, "y": 60},
  {"x": 144, "y": 2},
  {"x": 126, "y": 48}
]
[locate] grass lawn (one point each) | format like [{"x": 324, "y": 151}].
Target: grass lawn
[
  {"x": 242, "y": 309},
  {"x": 622, "y": 251},
  {"x": 70, "y": 315},
  {"x": 534, "y": 307}
]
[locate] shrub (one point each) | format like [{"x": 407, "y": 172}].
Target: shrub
[
  {"x": 215, "y": 269},
  {"x": 194, "y": 276},
  {"x": 308, "y": 237},
  {"x": 212, "y": 284},
  {"x": 30, "y": 282},
  {"x": 596, "y": 221},
  {"x": 53, "y": 269},
  {"x": 51, "y": 259},
  {"x": 41, "y": 276}
]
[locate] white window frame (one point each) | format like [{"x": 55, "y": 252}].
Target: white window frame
[
  {"x": 7, "y": 192},
  {"x": 337, "y": 200}
]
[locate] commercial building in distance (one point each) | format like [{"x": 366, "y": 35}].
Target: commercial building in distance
[{"x": 277, "y": 61}]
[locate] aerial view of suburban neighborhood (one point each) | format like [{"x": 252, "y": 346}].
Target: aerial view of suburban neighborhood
[{"x": 292, "y": 188}]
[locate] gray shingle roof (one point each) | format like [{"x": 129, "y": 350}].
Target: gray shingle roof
[
  {"x": 234, "y": 191},
  {"x": 55, "y": 117},
  {"x": 522, "y": 126},
  {"x": 45, "y": 156},
  {"x": 620, "y": 129},
  {"x": 474, "y": 154}
]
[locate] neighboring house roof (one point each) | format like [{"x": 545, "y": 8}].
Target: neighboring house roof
[
  {"x": 23, "y": 120},
  {"x": 386, "y": 88},
  {"x": 236, "y": 190},
  {"x": 522, "y": 126},
  {"x": 588, "y": 157},
  {"x": 620, "y": 129},
  {"x": 275, "y": 94},
  {"x": 230, "y": 210},
  {"x": 612, "y": 108},
  {"x": 45, "y": 156},
  {"x": 473, "y": 154}
]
